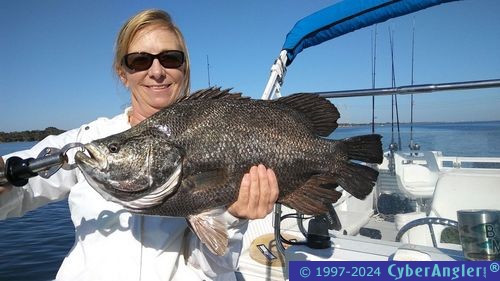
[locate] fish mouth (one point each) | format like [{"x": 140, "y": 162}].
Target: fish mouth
[
  {"x": 93, "y": 167},
  {"x": 95, "y": 160}
]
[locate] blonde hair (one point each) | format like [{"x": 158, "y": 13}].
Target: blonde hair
[{"x": 140, "y": 21}]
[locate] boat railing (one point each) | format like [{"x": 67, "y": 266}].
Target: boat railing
[{"x": 460, "y": 162}]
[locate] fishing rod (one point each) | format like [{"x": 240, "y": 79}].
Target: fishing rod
[
  {"x": 412, "y": 145},
  {"x": 394, "y": 146},
  {"x": 374, "y": 63}
]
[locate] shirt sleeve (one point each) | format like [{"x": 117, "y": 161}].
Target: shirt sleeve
[
  {"x": 213, "y": 266},
  {"x": 39, "y": 191}
]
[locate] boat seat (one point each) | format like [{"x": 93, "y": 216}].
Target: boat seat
[
  {"x": 353, "y": 213},
  {"x": 457, "y": 189},
  {"x": 466, "y": 189},
  {"x": 416, "y": 174}
]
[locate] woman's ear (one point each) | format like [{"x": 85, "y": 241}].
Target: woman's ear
[{"x": 123, "y": 77}]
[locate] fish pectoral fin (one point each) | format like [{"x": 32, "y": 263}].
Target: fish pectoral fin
[
  {"x": 208, "y": 179},
  {"x": 211, "y": 229},
  {"x": 314, "y": 196}
]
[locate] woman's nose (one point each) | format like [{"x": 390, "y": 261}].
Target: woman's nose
[{"x": 156, "y": 70}]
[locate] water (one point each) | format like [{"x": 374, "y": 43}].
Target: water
[
  {"x": 453, "y": 139},
  {"x": 33, "y": 247}
]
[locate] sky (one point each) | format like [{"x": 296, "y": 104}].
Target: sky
[{"x": 56, "y": 56}]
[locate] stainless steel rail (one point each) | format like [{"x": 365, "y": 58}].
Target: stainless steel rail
[{"x": 412, "y": 89}]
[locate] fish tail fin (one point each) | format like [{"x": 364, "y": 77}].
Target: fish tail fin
[
  {"x": 365, "y": 148},
  {"x": 318, "y": 193},
  {"x": 355, "y": 178}
]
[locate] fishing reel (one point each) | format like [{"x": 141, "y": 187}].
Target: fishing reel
[
  {"x": 414, "y": 146},
  {"x": 17, "y": 171}
]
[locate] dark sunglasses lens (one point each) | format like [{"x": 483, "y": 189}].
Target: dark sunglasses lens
[
  {"x": 143, "y": 61},
  {"x": 171, "y": 59},
  {"x": 138, "y": 62}
]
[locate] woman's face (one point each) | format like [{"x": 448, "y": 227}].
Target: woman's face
[{"x": 156, "y": 87}]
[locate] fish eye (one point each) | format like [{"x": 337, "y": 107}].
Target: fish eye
[{"x": 113, "y": 148}]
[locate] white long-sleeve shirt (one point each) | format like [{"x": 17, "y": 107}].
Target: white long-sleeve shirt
[{"x": 111, "y": 243}]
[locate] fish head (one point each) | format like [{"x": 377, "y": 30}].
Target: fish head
[{"x": 137, "y": 170}]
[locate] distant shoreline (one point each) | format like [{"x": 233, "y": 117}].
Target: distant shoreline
[
  {"x": 33, "y": 135},
  {"x": 37, "y": 135}
]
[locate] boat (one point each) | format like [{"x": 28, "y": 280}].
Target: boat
[{"x": 435, "y": 186}]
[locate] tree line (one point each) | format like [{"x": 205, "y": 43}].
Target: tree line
[{"x": 34, "y": 135}]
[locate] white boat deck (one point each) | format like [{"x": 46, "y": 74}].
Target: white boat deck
[
  {"x": 344, "y": 248},
  {"x": 375, "y": 240},
  {"x": 379, "y": 228}
]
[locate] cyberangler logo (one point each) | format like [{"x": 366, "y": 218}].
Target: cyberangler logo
[{"x": 398, "y": 271}]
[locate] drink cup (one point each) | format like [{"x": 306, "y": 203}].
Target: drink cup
[{"x": 479, "y": 232}]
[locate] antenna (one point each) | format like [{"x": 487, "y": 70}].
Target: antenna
[{"x": 208, "y": 71}]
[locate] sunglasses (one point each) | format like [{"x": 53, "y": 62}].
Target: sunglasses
[{"x": 143, "y": 61}]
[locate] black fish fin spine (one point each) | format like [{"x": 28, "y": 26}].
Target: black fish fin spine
[
  {"x": 315, "y": 196},
  {"x": 321, "y": 114},
  {"x": 212, "y": 93}
]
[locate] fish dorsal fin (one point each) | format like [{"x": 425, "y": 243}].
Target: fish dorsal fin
[
  {"x": 212, "y": 93},
  {"x": 211, "y": 230},
  {"x": 322, "y": 114}
]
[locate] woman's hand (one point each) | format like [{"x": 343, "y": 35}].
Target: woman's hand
[{"x": 258, "y": 193}]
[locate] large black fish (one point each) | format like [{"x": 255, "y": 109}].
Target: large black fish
[{"x": 189, "y": 158}]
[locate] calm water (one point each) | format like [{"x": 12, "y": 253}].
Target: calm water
[
  {"x": 453, "y": 139},
  {"x": 33, "y": 247}
]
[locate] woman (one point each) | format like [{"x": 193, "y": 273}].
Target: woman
[{"x": 110, "y": 243}]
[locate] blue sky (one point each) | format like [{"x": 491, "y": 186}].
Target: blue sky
[{"x": 55, "y": 57}]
